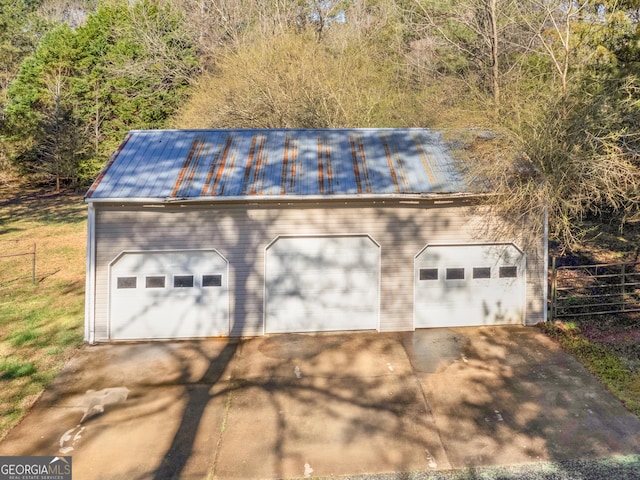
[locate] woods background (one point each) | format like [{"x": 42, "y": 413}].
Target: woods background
[{"x": 557, "y": 81}]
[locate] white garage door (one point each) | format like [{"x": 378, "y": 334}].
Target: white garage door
[
  {"x": 323, "y": 283},
  {"x": 465, "y": 285},
  {"x": 178, "y": 294}
]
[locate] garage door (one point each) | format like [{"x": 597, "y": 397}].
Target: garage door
[
  {"x": 159, "y": 294},
  {"x": 323, "y": 283},
  {"x": 465, "y": 285}
]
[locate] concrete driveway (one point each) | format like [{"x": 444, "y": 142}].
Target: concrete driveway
[{"x": 320, "y": 405}]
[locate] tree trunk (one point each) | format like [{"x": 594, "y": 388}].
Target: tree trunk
[{"x": 495, "y": 63}]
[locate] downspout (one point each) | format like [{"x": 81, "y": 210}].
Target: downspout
[{"x": 90, "y": 287}]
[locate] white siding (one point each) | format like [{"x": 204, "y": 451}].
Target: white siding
[{"x": 241, "y": 233}]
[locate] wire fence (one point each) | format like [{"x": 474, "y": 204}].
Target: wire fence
[
  {"x": 594, "y": 289},
  {"x": 17, "y": 265}
]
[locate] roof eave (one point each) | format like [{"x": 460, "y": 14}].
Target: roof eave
[{"x": 287, "y": 198}]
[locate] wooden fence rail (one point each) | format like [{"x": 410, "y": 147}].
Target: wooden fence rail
[{"x": 594, "y": 289}]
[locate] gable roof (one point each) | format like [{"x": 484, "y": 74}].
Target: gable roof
[{"x": 180, "y": 165}]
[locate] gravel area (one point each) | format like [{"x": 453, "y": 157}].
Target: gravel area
[{"x": 618, "y": 468}]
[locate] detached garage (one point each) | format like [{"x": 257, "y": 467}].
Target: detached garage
[{"x": 206, "y": 233}]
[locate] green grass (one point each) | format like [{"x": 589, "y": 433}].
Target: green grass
[
  {"x": 24, "y": 337},
  {"x": 41, "y": 325},
  {"x": 11, "y": 368}
]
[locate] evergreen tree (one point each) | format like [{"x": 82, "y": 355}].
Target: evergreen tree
[{"x": 75, "y": 98}]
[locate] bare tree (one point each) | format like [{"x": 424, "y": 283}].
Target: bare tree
[
  {"x": 60, "y": 143},
  {"x": 72, "y": 12},
  {"x": 164, "y": 39},
  {"x": 553, "y": 27},
  {"x": 481, "y": 31},
  {"x": 294, "y": 81},
  {"x": 218, "y": 24}
]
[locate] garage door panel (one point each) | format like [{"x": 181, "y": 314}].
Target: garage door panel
[
  {"x": 150, "y": 322},
  {"x": 491, "y": 292},
  {"x": 321, "y": 284}
]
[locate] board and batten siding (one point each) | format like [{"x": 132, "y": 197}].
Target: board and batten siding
[{"x": 241, "y": 231}]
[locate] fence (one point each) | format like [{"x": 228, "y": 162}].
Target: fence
[
  {"x": 594, "y": 289},
  {"x": 23, "y": 254}
]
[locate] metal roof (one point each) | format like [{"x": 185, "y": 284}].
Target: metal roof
[{"x": 174, "y": 165}]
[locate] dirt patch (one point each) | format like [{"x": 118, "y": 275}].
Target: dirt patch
[{"x": 612, "y": 336}]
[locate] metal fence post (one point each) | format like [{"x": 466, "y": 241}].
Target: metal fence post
[
  {"x": 552, "y": 312},
  {"x": 33, "y": 265},
  {"x": 623, "y": 279}
]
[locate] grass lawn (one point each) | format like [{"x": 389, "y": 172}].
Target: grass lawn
[{"x": 41, "y": 325}]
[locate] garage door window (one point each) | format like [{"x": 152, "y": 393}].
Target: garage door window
[
  {"x": 508, "y": 272},
  {"x": 154, "y": 282},
  {"x": 183, "y": 281},
  {"x": 481, "y": 272},
  {"x": 127, "y": 282},
  {"x": 455, "y": 274},
  {"x": 428, "y": 274},
  {"x": 212, "y": 280}
]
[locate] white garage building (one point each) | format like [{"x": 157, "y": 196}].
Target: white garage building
[{"x": 250, "y": 232}]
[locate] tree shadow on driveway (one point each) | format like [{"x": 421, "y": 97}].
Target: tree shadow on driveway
[
  {"x": 513, "y": 396},
  {"x": 328, "y": 404}
]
